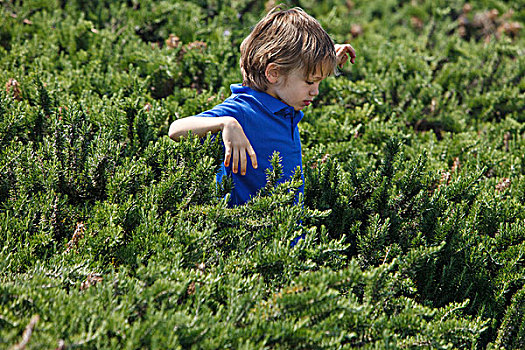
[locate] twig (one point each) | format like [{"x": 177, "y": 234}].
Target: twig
[{"x": 26, "y": 336}]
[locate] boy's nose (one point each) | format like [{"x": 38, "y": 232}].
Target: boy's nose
[{"x": 314, "y": 91}]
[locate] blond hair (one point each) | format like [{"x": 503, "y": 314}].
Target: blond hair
[{"x": 291, "y": 39}]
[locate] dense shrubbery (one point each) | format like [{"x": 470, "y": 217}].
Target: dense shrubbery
[{"x": 116, "y": 237}]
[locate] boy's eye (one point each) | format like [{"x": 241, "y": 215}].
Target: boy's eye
[{"x": 309, "y": 82}]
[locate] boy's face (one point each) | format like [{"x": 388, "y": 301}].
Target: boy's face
[{"x": 295, "y": 89}]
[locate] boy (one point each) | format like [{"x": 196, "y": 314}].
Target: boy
[{"x": 283, "y": 60}]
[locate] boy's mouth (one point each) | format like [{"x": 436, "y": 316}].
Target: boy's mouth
[{"x": 307, "y": 102}]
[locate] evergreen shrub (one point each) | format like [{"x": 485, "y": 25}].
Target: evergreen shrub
[{"x": 413, "y": 217}]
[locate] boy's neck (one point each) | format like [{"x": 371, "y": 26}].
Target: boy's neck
[{"x": 271, "y": 91}]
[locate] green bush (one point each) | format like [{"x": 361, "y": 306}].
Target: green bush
[{"x": 114, "y": 236}]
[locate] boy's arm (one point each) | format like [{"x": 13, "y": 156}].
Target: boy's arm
[
  {"x": 235, "y": 141},
  {"x": 197, "y": 125},
  {"x": 342, "y": 52}
]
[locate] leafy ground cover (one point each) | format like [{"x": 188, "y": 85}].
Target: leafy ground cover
[{"x": 113, "y": 236}]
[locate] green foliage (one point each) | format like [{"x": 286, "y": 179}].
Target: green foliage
[
  {"x": 512, "y": 331},
  {"x": 117, "y": 237}
]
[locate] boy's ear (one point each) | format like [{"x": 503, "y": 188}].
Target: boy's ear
[{"x": 272, "y": 73}]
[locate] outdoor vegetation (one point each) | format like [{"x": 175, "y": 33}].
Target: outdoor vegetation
[{"x": 116, "y": 237}]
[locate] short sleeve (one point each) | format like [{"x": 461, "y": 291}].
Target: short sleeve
[{"x": 230, "y": 107}]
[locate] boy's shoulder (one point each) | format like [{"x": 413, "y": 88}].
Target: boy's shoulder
[
  {"x": 255, "y": 99},
  {"x": 240, "y": 104},
  {"x": 247, "y": 103},
  {"x": 244, "y": 94}
]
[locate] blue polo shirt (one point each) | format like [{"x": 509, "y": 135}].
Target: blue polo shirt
[{"x": 270, "y": 125}]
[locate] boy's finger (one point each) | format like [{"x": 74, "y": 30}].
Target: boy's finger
[
  {"x": 243, "y": 162},
  {"x": 253, "y": 157},
  {"x": 235, "y": 160},
  {"x": 227, "y": 157},
  {"x": 342, "y": 60},
  {"x": 351, "y": 52}
]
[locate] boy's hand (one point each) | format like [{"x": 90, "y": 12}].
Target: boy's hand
[
  {"x": 237, "y": 145},
  {"x": 342, "y": 52}
]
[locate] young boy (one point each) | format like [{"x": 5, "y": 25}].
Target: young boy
[{"x": 283, "y": 60}]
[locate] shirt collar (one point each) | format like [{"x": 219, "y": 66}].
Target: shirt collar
[{"x": 271, "y": 103}]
